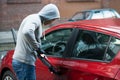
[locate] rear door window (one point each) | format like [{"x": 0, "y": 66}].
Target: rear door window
[
  {"x": 95, "y": 46},
  {"x": 112, "y": 49}
]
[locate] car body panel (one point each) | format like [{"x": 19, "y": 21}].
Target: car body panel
[
  {"x": 118, "y": 76},
  {"x": 107, "y": 26},
  {"x": 41, "y": 69},
  {"x": 74, "y": 68},
  {"x": 7, "y": 63},
  {"x": 110, "y": 27},
  {"x": 90, "y": 69}
]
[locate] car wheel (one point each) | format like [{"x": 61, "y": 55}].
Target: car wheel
[{"x": 8, "y": 75}]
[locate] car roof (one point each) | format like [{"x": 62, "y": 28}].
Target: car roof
[
  {"x": 94, "y": 10},
  {"x": 104, "y": 9},
  {"x": 109, "y": 26}
]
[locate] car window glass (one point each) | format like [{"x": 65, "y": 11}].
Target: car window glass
[
  {"x": 81, "y": 16},
  {"x": 96, "y": 46},
  {"x": 113, "y": 48},
  {"x": 108, "y": 14},
  {"x": 97, "y": 15},
  {"x": 55, "y": 42}
]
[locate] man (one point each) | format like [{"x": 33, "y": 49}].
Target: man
[{"x": 28, "y": 41}]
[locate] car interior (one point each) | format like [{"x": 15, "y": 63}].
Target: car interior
[
  {"x": 89, "y": 48},
  {"x": 96, "y": 46}
]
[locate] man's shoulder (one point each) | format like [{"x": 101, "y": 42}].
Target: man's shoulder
[{"x": 33, "y": 18}]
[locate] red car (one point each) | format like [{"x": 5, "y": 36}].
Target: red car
[{"x": 83, "y": 50}]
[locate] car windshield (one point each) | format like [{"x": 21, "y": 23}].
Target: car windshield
[{"x": 80, "y": 16}]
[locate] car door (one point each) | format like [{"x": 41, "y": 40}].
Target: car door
[
  {"x": 91, "y": 57},
  {"x": 54, "y": 44}
]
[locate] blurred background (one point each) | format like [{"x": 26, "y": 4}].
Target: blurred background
[{"x": 12, "y": 12}]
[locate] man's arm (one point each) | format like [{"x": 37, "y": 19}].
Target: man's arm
[{"x": 28, "y": 31}]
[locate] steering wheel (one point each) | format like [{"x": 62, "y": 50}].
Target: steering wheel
[{"x": 59, "y": 47}]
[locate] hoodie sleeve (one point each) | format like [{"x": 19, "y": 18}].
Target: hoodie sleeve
[{"x": 28, "y": 32}]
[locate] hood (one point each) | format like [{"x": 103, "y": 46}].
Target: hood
[{"x": 49, "y": 12}]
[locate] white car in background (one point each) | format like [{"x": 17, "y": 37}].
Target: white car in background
[{"x": 95, "y": 14}]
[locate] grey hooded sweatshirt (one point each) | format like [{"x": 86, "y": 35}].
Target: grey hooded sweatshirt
[{"x": 29, "y": 33}]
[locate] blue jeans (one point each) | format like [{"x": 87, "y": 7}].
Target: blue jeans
[{"x": 24, "y": 71}]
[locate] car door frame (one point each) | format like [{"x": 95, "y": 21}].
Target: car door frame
[{"x": 56, "y": 61}]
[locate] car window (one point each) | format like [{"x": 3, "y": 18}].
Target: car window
[
  {"x": 81, "y": 16},
  {"x": 54, "y": 43},
  {"x": 113, "y": 48},
  {"x": 109, "y": 14},
  {"x": 97, "y": 15},
  {"x": 95, "y": 46}
]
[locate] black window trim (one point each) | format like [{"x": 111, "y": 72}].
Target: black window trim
[
  {"x": 71, "y": 43},
  {"x": 104, "y": 57}
]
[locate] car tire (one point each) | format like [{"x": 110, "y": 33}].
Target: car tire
[{"x": 8, "y": 75}]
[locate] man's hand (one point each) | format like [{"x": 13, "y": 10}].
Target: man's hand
[
  {"x": 43, "y": 58},
  {"x": 43, "y": 55},
  {"x": 53, "y": 70}
]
